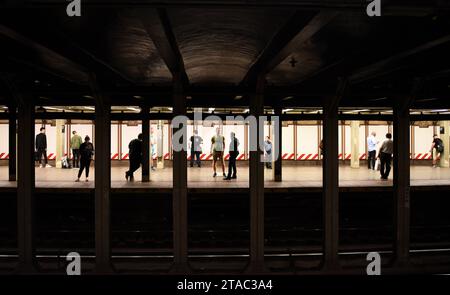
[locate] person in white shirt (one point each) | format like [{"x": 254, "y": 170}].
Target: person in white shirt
[
  {"x": 217, "y": 148},
  {"x": 372, "y": 143}
]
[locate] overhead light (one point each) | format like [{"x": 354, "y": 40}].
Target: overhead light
[
  {"x": 439, "y": 111},
  {"x": 52, "y": 108},
  {"x": 237, "y": 97},
  {"x": 43, "y": 97},
  {"x": 137, "y": 97},
  {"x": 378, "y": 99},
  {"x": 170, "y": 109},
  {"x": 133, "y": 109},
  {"x": 188, "y": 97},
  {"x": 288, "y": 97},
  {"x": 90, "y": 108},
  {"x": 287, "y": 110},
  {"x": 426, "y": 99},
  {"x": 88, "y": 96},
  {"x": 356, "y": 111},
  {"x": 210, "y": 110},
  {"x": 246, "y": 111},
  {"x": 36, "y": 82}
]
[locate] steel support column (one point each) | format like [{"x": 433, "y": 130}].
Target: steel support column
[
  {"x": 401, "y": 180},
  {"x": 180, "y": 227},
  {"x": 331, "y": 178},
  {"x": 146, "y": 157},
  {"x": 12, "y": 158},
  {"x": 26, "y": 188},
  {"x": 102, "y": 180},
  {"x": 278, "y": 148},
  {"x": 256, "y": 182}
]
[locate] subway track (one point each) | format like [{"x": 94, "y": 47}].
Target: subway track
[{"x": 219, "y": 227}]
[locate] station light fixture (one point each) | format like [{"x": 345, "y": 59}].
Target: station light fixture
[{"x": 133, "y": 109}]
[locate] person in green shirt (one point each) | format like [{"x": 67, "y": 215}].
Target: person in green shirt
[{"x": 75, "y": 143}]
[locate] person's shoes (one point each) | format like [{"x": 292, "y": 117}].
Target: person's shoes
[
  {"x": 227, "y": 178},
  {"x": 191, "y": 165},
  {"x": 77, "y": 180},
  {"x": 224, "y": 175},
  {"x": 126, "y": 176},
  {"x": 48, "y": 166},
  {"x": 87, "y": 180},
  {"x": 131, "y": 178},
  {"x": 233, "y": 177},
  {"x": 215, "y": 174}
]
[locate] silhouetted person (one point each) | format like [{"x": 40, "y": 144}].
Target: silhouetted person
[
  {"x": 234, "y": 152},
  {"x": 217, "y": 148},
  {"x": 75, "y": 143},
  {"x": 372, "y": 150},
  {"x": 86, "y": 153},
  {"x": 41, "y": 148},
  {"x": 385, "y": 155},
  {"x": 135, "y": 156},
  {"x": 437, "y": 145},
  {"x": 196, "y": 148},
  {"x": 268, "y": 151}
]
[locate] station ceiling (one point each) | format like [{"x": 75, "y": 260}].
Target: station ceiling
[{"x": 219, "y": 49}]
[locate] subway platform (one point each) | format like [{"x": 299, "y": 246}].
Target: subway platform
[{"x": 293, "y": 177}]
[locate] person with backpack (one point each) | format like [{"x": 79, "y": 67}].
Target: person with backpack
[
  {"x": 135, "y": 156},
  {"x": 268, "y": 151},
  {"x": 86, "y": 153},
  {"x": 196, "y": 148},
  {"x": 437, "y": 145},
  {"x": 75, "y": 143},
  {"x": 234, "y": 152}
]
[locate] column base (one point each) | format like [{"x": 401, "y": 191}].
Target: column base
[
  {"x": 180, "y": 268},
  {"x": 26, "y": 268},
  {"x": 256, "y": 267}
]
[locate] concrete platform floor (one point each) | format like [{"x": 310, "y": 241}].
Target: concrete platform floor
[{"x": 299, "y": 176}]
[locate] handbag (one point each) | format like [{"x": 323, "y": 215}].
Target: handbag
[{"x": 378, "y": 165}]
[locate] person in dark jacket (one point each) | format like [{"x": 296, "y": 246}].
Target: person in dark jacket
[
  {"x": 41, "y": 148},
  {"x": 234, "y": 152},
  {"x": 385, "y": 156},
  {"x": 437, "y": 148},
  {"x": 86, "y": 153},
  {"x": 135, "y": 156}
]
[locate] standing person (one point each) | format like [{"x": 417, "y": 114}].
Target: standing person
[
  {"x": 234, "y": 152},
  {"x": 135, "y": 155},
  {"x": 41, "y": 148},
  {"x": 268, "y": 150},
  {"x": 437, "y": 148},
  {"x": 86, "y": 153},
  {"x": 372, "y": 150},
  {"x": 385, "y": 155},
  {"x": 196, "y": 148},
  {"x": 153, "y": 151},
  {"x": 217, "y": 148},
  {"x": 75, "y": 143}
]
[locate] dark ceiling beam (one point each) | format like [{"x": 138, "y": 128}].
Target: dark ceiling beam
[
  {"x": 158, "y": 27},
  {"x": 392, "y": 63},
  {"x": 34, "y": 49},
  {"x": 295, "y": 32},
  {"x": 430, "y": 6},
  {"x": 49, "y": 36}
]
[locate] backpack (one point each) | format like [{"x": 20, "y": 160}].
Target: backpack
[{"x": 439, "y": 146}]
